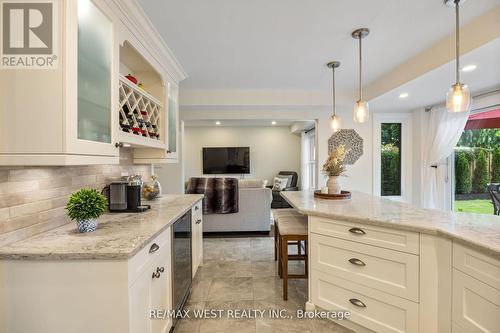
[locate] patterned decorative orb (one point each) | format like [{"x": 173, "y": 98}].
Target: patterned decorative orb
[
  {"x": 352, "y": 141},
  {"x": 89, "y": 225}
]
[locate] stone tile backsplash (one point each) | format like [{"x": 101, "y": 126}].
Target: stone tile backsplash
[{"x": 32, "y": 199}]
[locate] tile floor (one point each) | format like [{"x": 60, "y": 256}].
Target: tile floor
[{"x": 240, "y": 273}]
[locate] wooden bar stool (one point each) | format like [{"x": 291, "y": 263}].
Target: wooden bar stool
[
  {"x": 278, "y": 213},
  {"x": 291, "y": 228}
]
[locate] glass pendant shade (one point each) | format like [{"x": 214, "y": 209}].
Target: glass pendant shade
[
  {"x": 458, "y": 98},
  {"x": 336, "y": 123},
  {"x": 361, "y": 112}
]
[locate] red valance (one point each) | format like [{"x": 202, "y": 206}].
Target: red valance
[{"x": 488, "y": 119}]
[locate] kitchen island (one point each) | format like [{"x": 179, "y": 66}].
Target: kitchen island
[
  {"x": 106, "y": 281},
  {"x": 399, "y": 268}
]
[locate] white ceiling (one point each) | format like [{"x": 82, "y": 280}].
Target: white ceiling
[
  {"x": 432, "y": 87},
  {"x": 284, "y": 44},
  {"x": 244, "y": 123}
]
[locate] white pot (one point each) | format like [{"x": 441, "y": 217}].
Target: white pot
[{"x": 333, "y": 185}]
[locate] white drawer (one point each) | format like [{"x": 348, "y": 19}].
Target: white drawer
[
  {"x": 382, "y": 312},
  {"x": 145, "y": 256},
  {"x": 390, "y": 271},
  {"x": 476, "y": 305},
  {"x": 399, "y": 240},
  {"x": 476, "y": 264}
]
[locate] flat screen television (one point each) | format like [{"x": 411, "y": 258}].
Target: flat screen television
[{"x": 226, "y": 160}]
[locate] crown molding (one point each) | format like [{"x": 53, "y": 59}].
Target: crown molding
[{"x": 134, "y": 17}]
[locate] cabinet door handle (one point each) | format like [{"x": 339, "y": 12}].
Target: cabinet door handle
[
  {"x": 196, "y": 208},
  {"x": 155, "y": 247},
  {"x": 357, "y": 262},
  {"x": 156, "y": 275},
  {"x": 357, "y": 302},
  {"x": 198, "y": 221},
  {"x": 357, "y": 231},
  {"x": 160, "y": 269}
]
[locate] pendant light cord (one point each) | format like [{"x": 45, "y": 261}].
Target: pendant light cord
[
  {"x": 457, "y": 39},
  {"x": 333, "y": 92},
  {"x": 360, "y": 71}
]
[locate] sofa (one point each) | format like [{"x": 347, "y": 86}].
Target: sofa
[{"x": 254, "y": 213}]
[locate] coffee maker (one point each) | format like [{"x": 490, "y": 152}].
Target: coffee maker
[{"x": 125, "y": 195}]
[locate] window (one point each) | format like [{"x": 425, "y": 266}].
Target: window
[
  {"x": 392, "y": 154},
  {"x": 390, "y": 159}
]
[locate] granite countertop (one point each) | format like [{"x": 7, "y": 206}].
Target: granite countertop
[
  {"x": 118, "y": 236},
  {"x": 476, "y": 230}
]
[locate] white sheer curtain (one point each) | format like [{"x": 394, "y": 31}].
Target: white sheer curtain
[
  {"x": 304, "y": 159},
  {"x": 443, "y": 132},
  {"x": 308, "y": 160}
]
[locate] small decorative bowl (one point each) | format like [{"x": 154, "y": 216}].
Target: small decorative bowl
[{"x": 89, "y": 225}]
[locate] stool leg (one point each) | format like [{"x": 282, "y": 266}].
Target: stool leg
[
  {"x": 306, "y": 261},
  {"x": 280, "y": 255},
  {"x": 284, "y": 263},
  {"x": 275, "y": 241}
]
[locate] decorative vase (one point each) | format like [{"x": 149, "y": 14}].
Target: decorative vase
[
  {"x": 88, "y": 225},
  {"x": 333, "y": 185}
]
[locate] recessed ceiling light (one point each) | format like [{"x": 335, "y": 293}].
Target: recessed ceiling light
[
  {"x": 273, "y": 122},
  {"x": 469, "y": 68},
  {"x": 403, "y": 95},
  {"x": 217, "y": 122}
]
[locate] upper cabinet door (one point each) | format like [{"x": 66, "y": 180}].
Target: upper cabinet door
[
  {"x": 95, "y": 53},
  {"x": 92, "y": 67},
  {"x": 173, "y": 121}
]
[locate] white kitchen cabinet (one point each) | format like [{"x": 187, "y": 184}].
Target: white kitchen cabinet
[
  {"x": 99, "y": 296},
  {"x": 64, "y": 115},
  {"x": 140, "y": 301},
  {"x": 371, "y": 271},
  {"x": 476, "y": 291},
  {"x": 197, "y": 240},
  {"x": 70, "y": 114},
  {"x": 169, "y": 154}
]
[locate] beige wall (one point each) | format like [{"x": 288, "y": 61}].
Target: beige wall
[
  {"x": 32, "y": 199},
  {"x": 272, "y": 149}
]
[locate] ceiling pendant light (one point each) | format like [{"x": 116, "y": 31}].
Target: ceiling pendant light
[
  {"x": 458, "y": 98},
  {"x": 361, "y": 108},
  {"x": 336, "y": 121}
]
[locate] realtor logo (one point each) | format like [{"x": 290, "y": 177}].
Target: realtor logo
[{"x": 28, "y": 34}]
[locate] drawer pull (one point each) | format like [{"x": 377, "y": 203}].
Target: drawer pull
[
  {"x": 357, "y": 231},
  {"x": 357, "y": 262},
  {"x": 198, "y": 221},
  {"x": 357, "y": 302},
  {"x": 155, "y": 247},
  {"x": 156, "y": 275},
  {"x": 160, "y": 269}
]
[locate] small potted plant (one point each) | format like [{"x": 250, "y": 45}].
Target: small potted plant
[
  {"x": 334, "y": 167},
  {"x": 85, "y": 207}
]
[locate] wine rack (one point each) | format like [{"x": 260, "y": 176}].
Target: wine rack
[{"x": 140, "y": 113}]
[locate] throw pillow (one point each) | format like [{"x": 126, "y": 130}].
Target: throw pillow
[
  {"x": 279, "y": 183},
  {"x": 289, "y": 177}
]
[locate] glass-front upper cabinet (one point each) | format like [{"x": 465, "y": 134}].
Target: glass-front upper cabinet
[
  {"x": 173, "y": 121},
  {"x": 92, "y": 51},
  {"x": 95, "y": 49}
]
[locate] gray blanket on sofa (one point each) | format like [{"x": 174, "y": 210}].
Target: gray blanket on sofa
[{"x": 221, "y": 194}]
